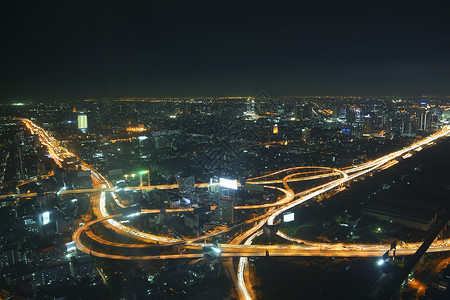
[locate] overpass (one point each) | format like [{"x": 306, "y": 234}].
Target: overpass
[{"x": 242, "y": 246}]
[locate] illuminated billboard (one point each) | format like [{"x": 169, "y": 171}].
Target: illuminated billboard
[
  {"x": 29, "y": 221},
  {"x": 254, "y": 187},
  {"x": 228, "y": 183},
  {"x": 288, "y": 217},
  {"x": 71, "y": 246},
  {"x": 45, "y": 218},
  {"x": 82, "y": 121}
]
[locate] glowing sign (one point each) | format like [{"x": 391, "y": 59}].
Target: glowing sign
[
  {"x": 71, "y": 246},
  {"x": 228, "y": 183},
  {"x": 82, "y": 121},
  {"x": 28, "y": 221},
  {"x": 45, "y": 218},
  {"x": 275, "y": 129},
  {"x": 288, "y": 217}
]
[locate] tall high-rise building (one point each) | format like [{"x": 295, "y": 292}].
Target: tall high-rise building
[
  {"x": 225, "y": 210},
  {"x": 303, "y": 111},
  {"x": 409, "y": 127},
  {"x": 367, "y": 124},
  {"x": 388, "y": 126},
  {"x": 82, "y": 122},
  {"x": 357, "y": 110},
  {"x": 336, "y": 111},
  {"x": 251, "y": 106},
  {"x": 36, "y": 141},
  {"x": 308, "y": 111},
  {"x": 350, "y": 116},
  {"x": 298, "y": 112},
  {"x": 186, "y": 185},
  {"x": 425, "y": 120}
]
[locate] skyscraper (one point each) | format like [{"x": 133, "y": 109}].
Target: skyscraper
[
  {"x": 425, "y": 120},
  {"x": 225, "y": 210},
  {"x": 367, "y": 124},
  {"x": 336, "y": 111}
]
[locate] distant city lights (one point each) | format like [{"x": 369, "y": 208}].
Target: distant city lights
[{"x": 136, "y": 129}]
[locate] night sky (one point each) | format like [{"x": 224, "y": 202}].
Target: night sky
[{"x": 82, "y": 49}]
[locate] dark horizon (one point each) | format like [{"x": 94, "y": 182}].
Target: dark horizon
[
  {"x": 49, "y": 100},
  {"x": 86, "y": 50}
]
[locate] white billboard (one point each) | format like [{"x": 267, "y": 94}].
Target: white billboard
[
  {"x": 228, "y": 183},
  {"x": 82, "y": 121},
  {"x": 71, "y": 246},
  {"x": 288, "y": 217},
  {"x": 45, "y": 218}
]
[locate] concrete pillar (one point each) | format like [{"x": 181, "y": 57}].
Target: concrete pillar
[{"x": 422, "y": 260}]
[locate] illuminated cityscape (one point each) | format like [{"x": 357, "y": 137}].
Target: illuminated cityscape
[{"x": 132, "y": 168}]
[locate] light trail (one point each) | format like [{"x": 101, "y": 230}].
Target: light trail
[
  {"x": 243, "y": 261},
  {"x": 235, "y": 248}
]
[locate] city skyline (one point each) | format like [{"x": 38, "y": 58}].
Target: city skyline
[
  {"x": 236, "y": 151},
  {"x": 227, "y": 191}
]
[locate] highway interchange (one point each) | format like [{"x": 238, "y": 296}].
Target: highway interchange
[{"x": 241, "y": 246}]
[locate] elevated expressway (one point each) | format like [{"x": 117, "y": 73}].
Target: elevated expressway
[{"x": 242, "y": 246}]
